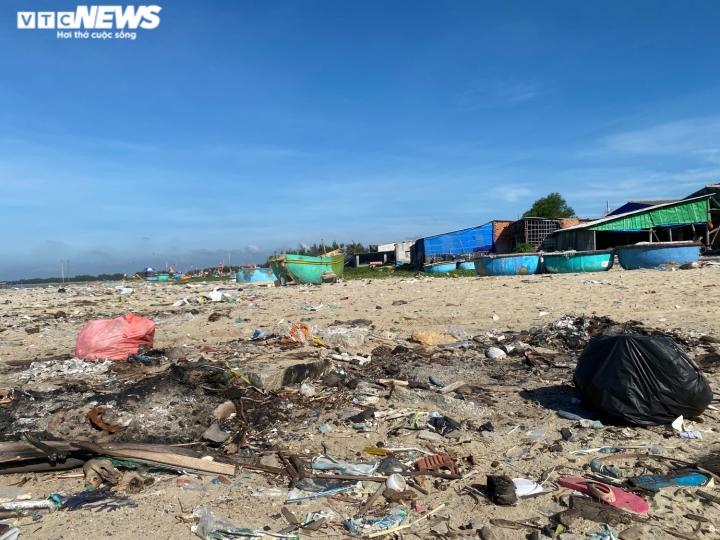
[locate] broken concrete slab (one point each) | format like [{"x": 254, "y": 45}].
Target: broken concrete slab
[{"x": 271, "y": 377}]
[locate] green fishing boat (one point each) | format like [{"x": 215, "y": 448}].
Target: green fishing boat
[
  {"x": 566, "y": 262},
  {"x": 305, "y": 269}
]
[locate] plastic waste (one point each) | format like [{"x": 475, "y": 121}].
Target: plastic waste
[
  {"x": 653, "y": 381},
  {"x": 501, "y": 489},
  {"x": 326, "y": 463},
  {"x": 395, "y": 482},
  {"x": 594, "y": 424},
  {"x": 260, "y": 335},
  {"x": 682, "y": 477},
  {"x": 215, "y": 295},
  {"x": 493, "y": 353},
  {"x": 584, "y": 422},
  {"x": 443, "y": 424},
  {"x": 534, "y": 435},
  {"x": 307, "y": 390},
  {"x": 395, "y": 515},
  {"x": 389, "y": 465},
  {"x": 268, "y": 492},
  {"x": 189, "y": 484},
  {"x": 210, "y": 526},
  {"x": 292, "y": 499},
  {"x": 456, "y": 332},
  {"x": 317, "y": 485},
  {"x": 11, "y": 533},
  {"x": 298, "y": 333},
  {"x": 598, "y": 466},
  {"x": 524, "y": 487},
  {"x": 115, "y": 339}
]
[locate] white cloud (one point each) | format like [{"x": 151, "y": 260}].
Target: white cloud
[
  {"x": 496, "y": 94},
  {"x": 252, "y": 249},
  {"x": 695, "y": 136}
]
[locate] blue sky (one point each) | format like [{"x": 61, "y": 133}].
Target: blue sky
[{"x": 251, "y": 126}]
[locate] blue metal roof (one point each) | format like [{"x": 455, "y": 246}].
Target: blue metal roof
[{"x": 472, "y": 240}]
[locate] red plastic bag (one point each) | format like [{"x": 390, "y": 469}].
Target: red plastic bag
[{"x": 115, "y": 339}]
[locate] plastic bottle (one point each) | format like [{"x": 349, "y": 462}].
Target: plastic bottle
[
  {"x": 536, "y": 435},
  {"x": 598, "y": 466}
]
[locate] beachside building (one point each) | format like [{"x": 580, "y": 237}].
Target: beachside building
[
  {"x": 696, "y": 218},
  {"x": 397, "y": 253},
  {"x": 490, "y": 237}
]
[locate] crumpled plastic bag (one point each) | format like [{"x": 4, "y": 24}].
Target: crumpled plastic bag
[
  {"x": 298, "y": 333},
  {"x": 210, "y": 526},
  {"x": 115, "y": 339}
]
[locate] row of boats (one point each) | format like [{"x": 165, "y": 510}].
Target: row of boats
[
  {"x": 633, "y": 257},
  {"x": 289, "y": 269}
]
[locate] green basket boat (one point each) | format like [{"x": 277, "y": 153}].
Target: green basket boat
[
  {"x": 569, "y": 262},
  {"x": 305, "y": 269}
]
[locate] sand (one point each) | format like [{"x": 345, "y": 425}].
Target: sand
[{"x": 684, "y": 301}]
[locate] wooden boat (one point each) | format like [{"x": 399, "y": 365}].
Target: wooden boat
[
  {"x": 256, "y": 276},
  {"x": 440, "y": 267},
  {"x": 513, "y": 264},
  {"x": 306, "y": 269},
  {"x": 466, "y": 265},
  {"x": 565, "y": 262},
  {"x": 652, "y": 255}
]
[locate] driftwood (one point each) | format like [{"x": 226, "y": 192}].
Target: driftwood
[{"x": 20, "y": 455}]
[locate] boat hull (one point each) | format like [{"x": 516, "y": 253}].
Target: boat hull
[
  {"x": 466, "y": 265},
  {"x": 305, "y": 269},
  {"x": 640, "y": 256},
  {"x": 578, "y": 261},
  {"x": 517, "y": 264},
  {"x": 256, "y": 276},
  {"x": 440, "y": 268}
]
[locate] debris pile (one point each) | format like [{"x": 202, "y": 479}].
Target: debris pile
[{"x": 339, "y": 430}]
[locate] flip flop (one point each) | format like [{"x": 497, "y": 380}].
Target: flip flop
[
  {"x": 602, "y": 492},
  {"x": 622, "y": 499}
]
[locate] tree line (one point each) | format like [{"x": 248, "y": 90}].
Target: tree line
[
  {"x": 320, "y": 249},
  {"x": 74, "y": 279}
]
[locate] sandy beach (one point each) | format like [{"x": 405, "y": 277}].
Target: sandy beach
[{"x": 42, "y": 325}]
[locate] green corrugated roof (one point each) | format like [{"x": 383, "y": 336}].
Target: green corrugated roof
[{"x": 680, "y": 213}]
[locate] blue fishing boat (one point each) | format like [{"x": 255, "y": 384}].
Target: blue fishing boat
[
  {"x": 513, "y": 264},
  {"x": 565, "y": 262},
  {"x": 440, "y": 267},
  {"x": 652, "y": 255},
  {"x": 465, "y": 265},
  {"x": 255, "y": 276}
]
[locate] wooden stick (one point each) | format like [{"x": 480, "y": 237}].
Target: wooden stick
[
  {"x": 374, "y": 497},
  {"x": 452, "y": 387},
  {"x": 392, "y": 382}
]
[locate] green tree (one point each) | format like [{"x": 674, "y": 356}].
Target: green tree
[{"x": 550, "y": 207}]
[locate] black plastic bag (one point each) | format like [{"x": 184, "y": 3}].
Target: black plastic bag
[
  {"x": 642, "y": 380},
  {"x": 444, "y": 424},
  {"x": 501, "y": 489}
]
